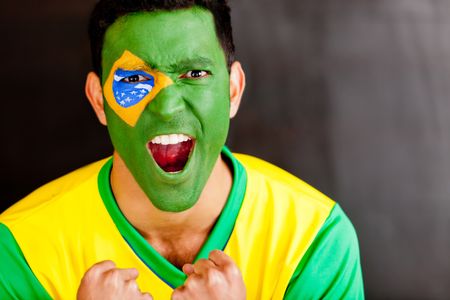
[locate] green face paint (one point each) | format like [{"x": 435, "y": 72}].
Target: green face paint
[{"x": 183, "y": 46}]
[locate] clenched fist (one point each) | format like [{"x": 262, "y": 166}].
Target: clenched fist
[
  {"x": 104, "y": 281},
  {"x": 217, "y": 277}
]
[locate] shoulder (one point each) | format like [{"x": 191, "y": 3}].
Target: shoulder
[
  {"x": 336, "y": 240},
  {"x": 37, "y": 229},
  {"x": 333, "y": 260},
  {"x": 53, "y": 193},
  {"x": 307, "y": 227},
  {"x": 264, "y": 176},
  {"x": 17, "y": 281},
  {"x": 276, "y": 196}
]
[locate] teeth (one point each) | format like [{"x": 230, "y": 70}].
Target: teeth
[
  {"x": 173, "y": 139},
  {"x": 170, "y": 139},
  {"x": 165, "y": 140},
  {"x": 157, "y": 140}
]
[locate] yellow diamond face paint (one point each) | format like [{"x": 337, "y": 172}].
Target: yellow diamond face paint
[{"x": 131, "y": 85}]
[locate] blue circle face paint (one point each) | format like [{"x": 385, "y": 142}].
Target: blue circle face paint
[{"x": 130, "y": 87}]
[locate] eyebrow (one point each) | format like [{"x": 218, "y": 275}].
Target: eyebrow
[
  {"x": 138, "y": 67},
  {"x": 195, "y": 62}
]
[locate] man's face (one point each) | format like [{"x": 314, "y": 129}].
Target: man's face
[{"x": 166, "y": 86}]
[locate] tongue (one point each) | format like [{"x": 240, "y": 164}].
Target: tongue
[{"x": 171, "y": 158}]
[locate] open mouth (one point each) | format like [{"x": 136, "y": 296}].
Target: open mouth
[{"x": 171, "y": 152}]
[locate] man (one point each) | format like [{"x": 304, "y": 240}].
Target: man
[{"x": 174, "y": 214}]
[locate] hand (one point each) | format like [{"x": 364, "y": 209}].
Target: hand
[
  {"x": 104, "y": 281},
  {"x": 217, "y": 277}
]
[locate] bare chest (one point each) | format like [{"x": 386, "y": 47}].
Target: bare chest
[{"x": 178, "y": 252}]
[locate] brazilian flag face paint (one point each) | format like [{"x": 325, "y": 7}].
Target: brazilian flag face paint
[
  {"x": 131, "y": 85},
  {"x": 166, "y": 87}
]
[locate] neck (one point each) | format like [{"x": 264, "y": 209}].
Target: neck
[{"x": 155, "y": 224}]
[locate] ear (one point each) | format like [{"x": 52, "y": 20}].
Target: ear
[
  {"x": 237, "y": 86},
  {"x": 94, "y": 93}
]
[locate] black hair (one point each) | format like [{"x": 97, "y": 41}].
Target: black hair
[{"x": 106, "y": 12}]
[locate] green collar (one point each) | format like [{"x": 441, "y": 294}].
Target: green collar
[{"x": 217, "y": 239}]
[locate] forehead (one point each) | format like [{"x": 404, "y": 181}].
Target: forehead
[{"x": 162, "y": 38}]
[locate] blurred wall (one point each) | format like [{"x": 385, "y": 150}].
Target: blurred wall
[{"x": 351, "y": 96}]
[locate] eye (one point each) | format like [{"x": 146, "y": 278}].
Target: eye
[
  {"x": 195, "y": 74},
  {"x": 135, "y": 79}
]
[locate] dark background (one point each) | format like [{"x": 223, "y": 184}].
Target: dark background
[{"x": 351, "y": 96}]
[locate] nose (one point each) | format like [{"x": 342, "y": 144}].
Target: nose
[{"x": 168, "y": 103}]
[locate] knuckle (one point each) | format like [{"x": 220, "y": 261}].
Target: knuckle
[
  {"x": 113, "y": 273},
  {"x": 100, "y": 267},
  {"x": 191, "y": 280},
  {"x": 192, "y": 284},
  {"x": 130, "y": 273},
  {"x": 212, "y": 272},
  {"x": 231, "y": 270},
  {"x": 92, "y": 273},
  {"x": 214, "y": 278},
  {"x": 177, "y": 294},
  {"x": 132, "y": 285},
  {"x": 215, "y": 253},
  {"x": 112, "y": 277},
  {"x": 199, "y": 265},
  {"x": 107, "y": 263},
  {"x": 201, "y": 261},
  {"x": 88, "y": 276}
]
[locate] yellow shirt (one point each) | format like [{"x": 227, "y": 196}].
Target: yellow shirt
[{"x": 268, "y": 226}]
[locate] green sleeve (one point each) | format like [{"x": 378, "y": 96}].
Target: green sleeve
[
  {"x": 17, "y": 281},
  {"x": 331, "y": 267}
]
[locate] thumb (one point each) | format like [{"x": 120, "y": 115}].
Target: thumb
[
  {"x": 219, "y": 258},
  {"x": 188, "y": 269},
  {"x": 128, "y": 274}
]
